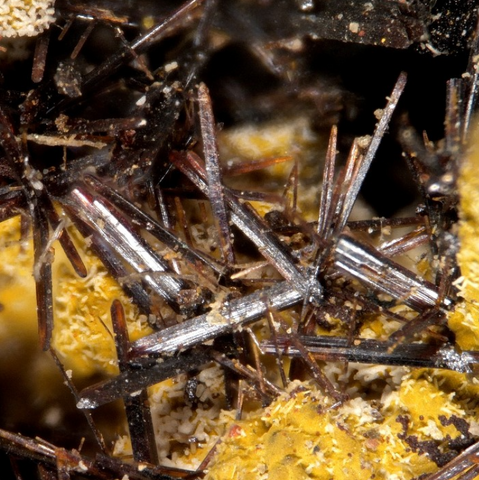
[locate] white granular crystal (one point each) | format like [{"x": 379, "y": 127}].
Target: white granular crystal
[
  {"x": 360, "y": 409},
  {"x": 181, "y": 430},
  {"x": 25, "y": 18},
  {"x": 431, "y": 430}
]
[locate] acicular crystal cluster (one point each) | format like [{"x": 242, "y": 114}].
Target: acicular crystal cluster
[{"x": 189, "y": 201}]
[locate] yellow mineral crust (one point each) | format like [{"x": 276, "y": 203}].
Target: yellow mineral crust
[
  {"x": 17, "y": 288},
  {"x": 464, "y": 320},
  {"x": 272, "y": 139},
  {"x": 290, "y": 137},
  {"x": 82, "y": 335},
  {"x": 299, "y": 437}
]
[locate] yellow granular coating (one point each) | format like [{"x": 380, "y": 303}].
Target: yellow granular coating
[
  {"x": 273, "y": 139},
  {"x": 82, "y": 333},
  {"x": 298, "y": 437},
  {"x": 291, "y": 137},
  {"x": 464, "y": 320},
  {"x": 17, "y": 287}
]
